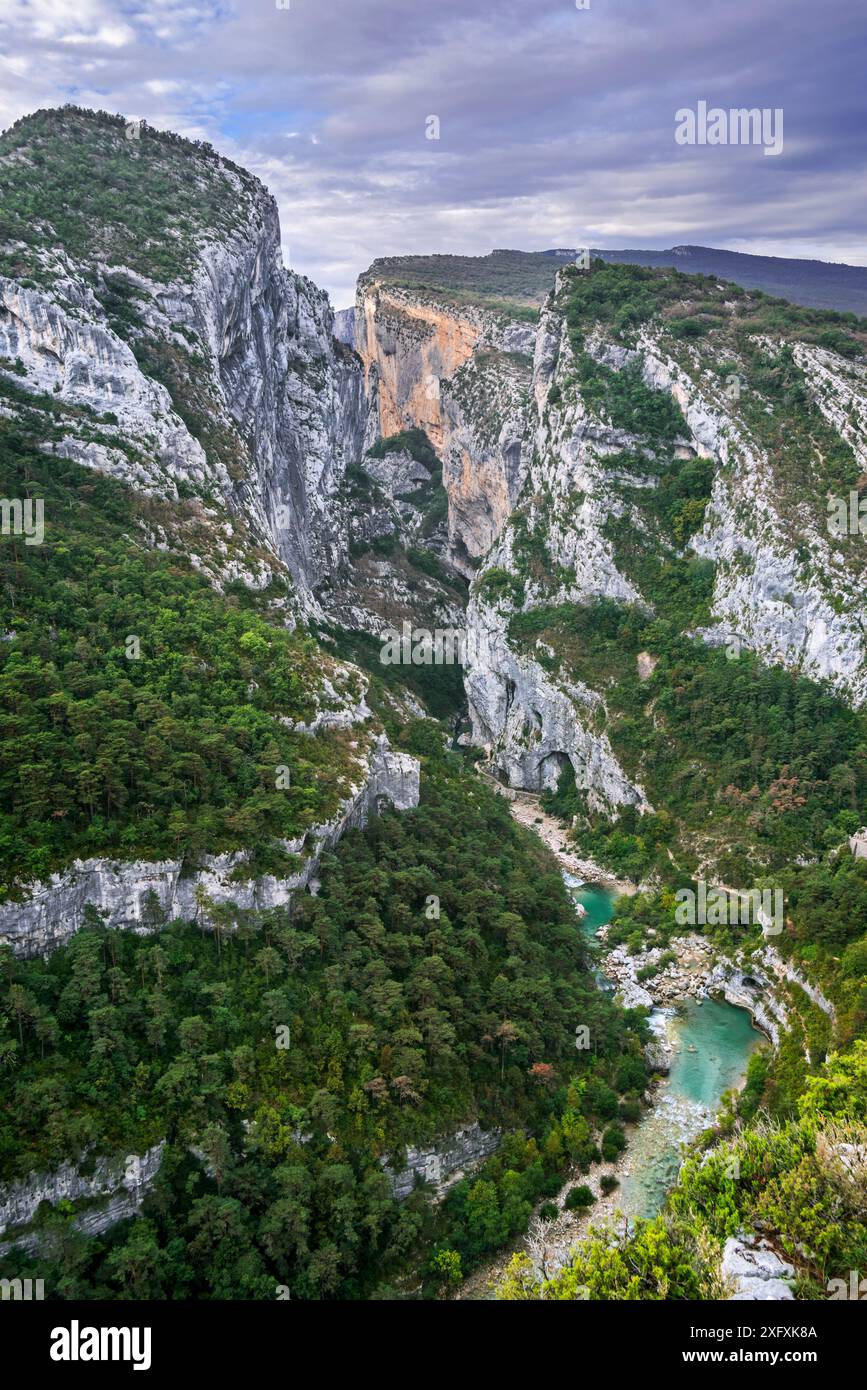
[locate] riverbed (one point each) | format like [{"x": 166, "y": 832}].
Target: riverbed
[
  {"x": 710, "y": 1046},
  {"x": 711, "y": 1043}
]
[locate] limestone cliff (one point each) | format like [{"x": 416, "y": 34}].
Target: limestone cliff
[
  {"x": 113, "y": 1189},
  {"x": 127, "y": 893},
  {"x": 221, "y": 379},
  {"x": 588, "y": 526},
  {"x": 461, "y": 372},
  {"x": 443, "y": 1164},
  {"x": 557, "y": 471},
  {"x": 411, "y": 344},
  {"x": 163, "y": 343}
]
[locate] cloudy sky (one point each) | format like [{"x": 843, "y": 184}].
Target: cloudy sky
[{"x": 556, "y": 123}]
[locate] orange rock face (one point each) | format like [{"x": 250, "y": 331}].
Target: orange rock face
[{"x": 413, "y": 345}]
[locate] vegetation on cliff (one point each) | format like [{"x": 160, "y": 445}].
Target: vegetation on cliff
[
  {"x": 438, "y": 977},
  {"x": 800, "y": 1183},
  {"x": 149, "y": 716},
  {"x": 99, "y": 189},
  {"x": 749, "y": 763}
]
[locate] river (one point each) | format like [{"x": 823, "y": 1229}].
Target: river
[
  {"x": 711, "y": 1045},
  {"x": 711, "y": 1041}
]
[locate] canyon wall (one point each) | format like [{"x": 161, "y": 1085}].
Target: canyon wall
[
  {"x": 461, "y": 372},
  {"x": 121, "y": 1181},
  {"x": 132, "y": 895}
]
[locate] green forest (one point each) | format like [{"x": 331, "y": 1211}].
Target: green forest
[
  {"x": 149, "y": 715},
  {"x": 401, "y": 1024}
]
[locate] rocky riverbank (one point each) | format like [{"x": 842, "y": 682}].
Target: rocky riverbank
[
  {"x": 756, "y": 981},
  {"x": 549, "y": 1243},
  {"x": 527, "y": 810},
  {"x": 688, "y": 970}
]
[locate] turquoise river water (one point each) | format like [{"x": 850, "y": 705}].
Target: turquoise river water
[{"x": 712, "y": 1044}]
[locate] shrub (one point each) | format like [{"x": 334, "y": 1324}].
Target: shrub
[
  {"x": 613, "y": 1142},
  {"x": 578, "y": 1197},
  {"x": 630, "y": 1110},
  {"x": 599, "y": 1099}
]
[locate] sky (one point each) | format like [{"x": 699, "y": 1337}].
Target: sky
[{"x": 556, "y": 120}]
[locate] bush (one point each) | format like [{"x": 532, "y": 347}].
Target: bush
[
  {"x": 498, "y": 584},
  {"x": 413, "y": 442},
  {"x": 631, "y": 1075},
  {"x": 613, "y": 1142},
  {"x": 578, "y": 1197},
  {"x": 599, "y": 1099},
  {"x": 630, "y": 1110},
  {"x": 687, "y": 328},
  {"x": 608, "y": 1182}
]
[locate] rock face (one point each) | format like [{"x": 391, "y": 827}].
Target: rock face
[
  {"x": 858, "y": 843},
  {"x": 226, "y": 383},
  {"x": 751, "y": 989},
  {"x": 462, "y": 374},
  {"x": 389, "y": 514},
  {"x": 530, "y": 724},
  {"x": 69, "y": 350},
  {"x": 445, "y": 1164},
  {"x": 295, "y": 394},
  {"x": 344, "y": 326},
  {"x": 487, "y": 441},
  {"x": 785, "y": 970},
  {"x": 409, "y": 344},
  {"x": 123, "y": 1181},
  {"x": 121, "y": 892},
  {"x": 783, "y": 587},
  {"x": 755, "y": 1270},
  {"x": 803, "y": 613},
  {"x": 537, "y": 476},
  {"x": 534, "y": 719}
]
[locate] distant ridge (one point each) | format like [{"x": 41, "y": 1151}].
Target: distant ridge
[
  {"x": 816, "y": 284},
  {"x": 525, "y": 278}
]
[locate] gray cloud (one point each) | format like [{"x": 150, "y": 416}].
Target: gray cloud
[{"x": 557, "y": 124}]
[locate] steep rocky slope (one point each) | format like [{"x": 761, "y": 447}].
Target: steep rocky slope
[
  {"x": 149, "y": 314},
  {"x": 684, "y": 456},
  {"x": 150, "y": 335},
  {"x": 676, "y": 452},
  {"x": 461, "y": 372},
  {"x": 394, "y": 561}
]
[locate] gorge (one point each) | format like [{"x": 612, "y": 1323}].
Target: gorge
[{"x": 223, "y": 815}]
